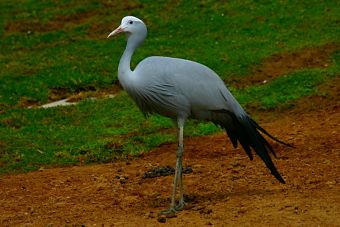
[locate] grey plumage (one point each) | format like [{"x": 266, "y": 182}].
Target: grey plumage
[
  {"x": 182, "y": 89},
  {"x": 172, "y": 86}
]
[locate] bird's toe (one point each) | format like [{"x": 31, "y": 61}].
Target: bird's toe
[{"x": 180, "y": 206}]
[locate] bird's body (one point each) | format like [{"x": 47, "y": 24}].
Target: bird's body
[
  {"x": 182, "y": 89},
  {"x": 160, "y": 85}
]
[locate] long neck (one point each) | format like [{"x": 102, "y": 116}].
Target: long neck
[
  {"x": 125, "y": 74},
  {"x": 125, "y": 60}
]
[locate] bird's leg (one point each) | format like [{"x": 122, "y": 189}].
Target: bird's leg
[
  {"x": 178, "y": 174},
  {"x": 179, "y": 168},
  {"x": 172, "y": 209}
]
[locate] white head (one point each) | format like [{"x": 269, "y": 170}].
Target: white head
[{"x": 134, "y": 28}]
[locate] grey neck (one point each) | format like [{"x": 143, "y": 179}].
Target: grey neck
[
  {"x": 125, "y": 60},
  {"x": 125, "y": 74}
]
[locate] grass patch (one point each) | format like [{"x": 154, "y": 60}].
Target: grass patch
[
  {"x": 290, "y": 87},
  {"x": 282, "y": 90},
  {"x": 93, "y": 131}
]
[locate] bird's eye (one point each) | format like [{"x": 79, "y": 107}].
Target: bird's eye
[{"x": 130, "y": 22}]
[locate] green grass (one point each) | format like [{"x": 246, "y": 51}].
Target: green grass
[
  {"x": 289, "y": 87},
  {"x": 95, "y": 130},
  {"x": 61, "y": 45}
]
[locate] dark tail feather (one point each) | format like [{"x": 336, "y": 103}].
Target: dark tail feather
[
  {"x": 245, "y": 131},
  {"x": 267, "y": 133},
  {"x": 232, "y": 137}
]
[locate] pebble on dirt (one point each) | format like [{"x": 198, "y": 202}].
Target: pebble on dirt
[{"x": 161, "y": 219}]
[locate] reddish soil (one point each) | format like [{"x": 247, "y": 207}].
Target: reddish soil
[{"x": 224, "y": 189}]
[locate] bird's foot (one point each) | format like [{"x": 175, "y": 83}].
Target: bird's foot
[
  {"x": 180, "y": 206},
  {"x": 171, "y": 212}
]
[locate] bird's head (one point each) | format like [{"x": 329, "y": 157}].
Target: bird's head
[{"x": 132, "y": 26}]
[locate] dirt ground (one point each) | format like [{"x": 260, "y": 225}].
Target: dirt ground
[{"x": 224, "y": 189}]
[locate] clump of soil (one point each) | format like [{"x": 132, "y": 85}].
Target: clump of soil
[{"x": 164, "y": 171}]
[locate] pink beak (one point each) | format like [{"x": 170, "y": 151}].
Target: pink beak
[{"x": 116, "y": 32}]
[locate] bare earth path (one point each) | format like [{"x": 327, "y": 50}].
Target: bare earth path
[{"x": 224, "y": 189}]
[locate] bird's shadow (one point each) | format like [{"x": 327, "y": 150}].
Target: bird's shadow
[{"x": 196, "y": 199}]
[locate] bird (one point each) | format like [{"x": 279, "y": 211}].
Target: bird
[{"x": 181, "y": 89}]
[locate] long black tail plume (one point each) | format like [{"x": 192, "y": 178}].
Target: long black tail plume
[
  {"x": 269, "y": 135},
  {"x": 246, "y": 132}
]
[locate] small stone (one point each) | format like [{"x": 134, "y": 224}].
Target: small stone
[{"x": 161, "y": 219}]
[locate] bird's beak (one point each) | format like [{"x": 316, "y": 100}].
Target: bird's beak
[{"x": 116, "y": 32}]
